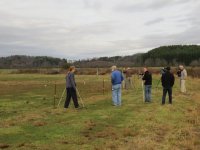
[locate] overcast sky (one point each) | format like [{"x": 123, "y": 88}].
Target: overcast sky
[{"x": 77, "y": 29}]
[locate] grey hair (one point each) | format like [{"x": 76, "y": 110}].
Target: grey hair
[
  {"x": 181, "y": 66},
  {"x": 114, "y": 68}
]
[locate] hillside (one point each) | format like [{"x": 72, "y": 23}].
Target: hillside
[
  {"x": 175, "y": 54},
  {"x": 188, "y": 55},
  {"x": 22, "y": 61}
]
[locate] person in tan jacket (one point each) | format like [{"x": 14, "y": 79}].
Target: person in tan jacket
[{"x": 183, "y": 77}]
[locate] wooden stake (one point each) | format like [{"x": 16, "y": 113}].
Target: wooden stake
[
  {"x": 103, "y": 86},
  {"x": 54, "y": 102}
]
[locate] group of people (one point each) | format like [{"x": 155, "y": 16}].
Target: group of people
[{"x": 167, "y": 80}]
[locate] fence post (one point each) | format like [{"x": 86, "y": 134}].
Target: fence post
[
  {"x": 103, "y": 86},
  {"x": 55, "y": 90}
]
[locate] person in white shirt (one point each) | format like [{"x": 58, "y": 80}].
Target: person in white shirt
[{"x": 183, "y": 77}]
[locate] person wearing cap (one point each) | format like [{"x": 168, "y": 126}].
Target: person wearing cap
[
  {"x": 116, "y": 80},
  {"x": 167, "y": 83},
  {"x": 183, "y": 76},
  {"x": 147, "y": 79}
]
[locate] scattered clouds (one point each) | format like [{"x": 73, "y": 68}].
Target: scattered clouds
[{"x": 77, "y": 29}]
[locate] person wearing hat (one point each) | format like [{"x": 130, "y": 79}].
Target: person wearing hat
[
  {"x": 183, "y": 76},
  {"x": 167, "y": 83},
  {"x": 147, "y": 79}
]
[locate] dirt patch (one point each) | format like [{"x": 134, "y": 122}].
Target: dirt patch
[
  {"x": 4, "y": 146},
  {"x": 39, "y": 124},
  {"x": 192, "y": 115},
  {"x": 108, "y": 132},
  {"x": 21, "y": 145},
  {"x": 64, "y": 142},
  {"x": 86, "y": 134},
  {"x": 30, "y": 117},
  {"x": 89, "y": 124},
  {"x": 7, "y": 123},
  {"x": 160, "y": 133},
  {"x": 129, "y": 132},
  {"x": 111, "y": 146}
]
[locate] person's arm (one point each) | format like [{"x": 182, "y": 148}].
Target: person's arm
[
  {"x": 144, "y": 77},
  {"x": 162, "y": 80},
  {"x": 122, "y": 78},
  {"x": 112, "y": 78},
  {"x": 173, "y": 80},
  {"x": 66, "y": 80},
  {"x": 72, "y": 80},
  {"x": 185, "y": 74}
]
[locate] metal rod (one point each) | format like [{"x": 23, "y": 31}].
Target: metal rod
[
  {"x": 80, "y": 97},
  {"x": 143, "y": 90},
  {"x": 103, "y": 86},
  {"x": 61, "y": 97},
  {"x": 55, "y": 89}
]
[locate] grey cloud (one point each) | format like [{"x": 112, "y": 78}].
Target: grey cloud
[
  {"x": 75, "y": 29},
  {"x": 92, "y": 4},
  {"x": 155, "y": 21},
  {"x": 38, "y": 35},
  {"x": 148, "y": 5},
  {"x": 189, "y": 36}
]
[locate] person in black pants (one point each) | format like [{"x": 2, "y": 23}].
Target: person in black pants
[
  {"x": 167, "y": 83},
  {"x": 71, "y": 88}
]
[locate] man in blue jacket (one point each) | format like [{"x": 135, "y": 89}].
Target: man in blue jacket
[{"x": 116, "y": 79}]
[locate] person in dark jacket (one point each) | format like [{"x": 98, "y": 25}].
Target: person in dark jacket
[
  {"x": 167, "y": 83},
  {"x": 147, "y": 78},
  {"x": 71, "y": 88}
]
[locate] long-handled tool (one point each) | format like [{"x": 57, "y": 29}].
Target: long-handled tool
[
  {"x": 143, "y": 90},
  {"x": 80, "y": 97},
  {"x": 158, "y": 84},
  {"x": 61, "y": 97}
]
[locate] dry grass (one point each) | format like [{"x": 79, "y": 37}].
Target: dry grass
[{"x": 134, "y": 126}]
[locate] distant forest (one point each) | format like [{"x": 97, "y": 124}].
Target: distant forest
[
  {"x": 188, "y": 55},
  {"x": 21, "y": 61}
]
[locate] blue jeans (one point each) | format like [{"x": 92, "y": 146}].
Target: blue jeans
[
  {"x": 116, "y": 94},
  {"x": 147, "y": 92}
]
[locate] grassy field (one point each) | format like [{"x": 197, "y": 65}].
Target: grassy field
[{"x": 29, "y": 121}]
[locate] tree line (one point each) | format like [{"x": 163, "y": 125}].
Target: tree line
[
  {"x": 188, "y": 55},
  {"x": 22, "y": 61},
  {"x": 173, "y": 55}
]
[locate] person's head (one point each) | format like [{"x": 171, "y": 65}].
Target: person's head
[
  {"x": 181, "y": 67},
  {"x": 168, "y": 68},
  {"x": 72, "y": 69},
  {"x": 145, "y": 69},
  {"x": 113, "y": 68}
]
